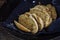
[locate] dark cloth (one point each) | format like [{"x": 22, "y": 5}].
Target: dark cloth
[{"x": 7, "y": 8}]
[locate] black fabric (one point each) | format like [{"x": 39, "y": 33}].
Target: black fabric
[{"x": 7, "y": 8}]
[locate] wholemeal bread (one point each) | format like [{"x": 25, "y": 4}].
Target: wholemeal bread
[
  {"x": 39, "y": 17},
  {"x": 21, "y": 27},
  {"x": 53, "y": 11},
  {"x": 43, "y": 14},
  {"x": 39, "y": 21},
  {"x": 29, "y": 22}
]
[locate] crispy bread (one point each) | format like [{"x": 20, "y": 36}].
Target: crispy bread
[
  {"x": 29, "y": 22},
  {"x": 21, "y": 27},
  {"x": 39, "y": 21},
  {"x": 53, "y": 11},
  {"x": 43, "y": 14}
]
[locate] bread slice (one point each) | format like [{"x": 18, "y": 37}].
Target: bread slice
[
  {"x": 53, "y": 11},
  {"x": 21, "y": 27},
  {"x": 43, "y": 14},
  {"x": 54, "y": 14},
  {"x": 29, "y": 22},
  {"x": 48, "y": 19},
  {"x": 39, "y": 21}
]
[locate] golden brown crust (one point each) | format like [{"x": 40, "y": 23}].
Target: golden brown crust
[
  {"x": 54, "y": 15},
  {"x": 39, "y": 21},
  {"x": 53, "y": 11},
  {"x": 42, "y": 13},
  {"x": 29, "y": 22},
  {"x": 37, "y": 18},
  {"x": 21, "y": 27}
]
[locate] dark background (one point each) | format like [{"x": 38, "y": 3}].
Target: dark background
[{"x": 8, "y": 6}]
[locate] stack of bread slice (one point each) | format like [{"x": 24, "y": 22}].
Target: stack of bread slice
[{"x": 39, "y": 17}]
